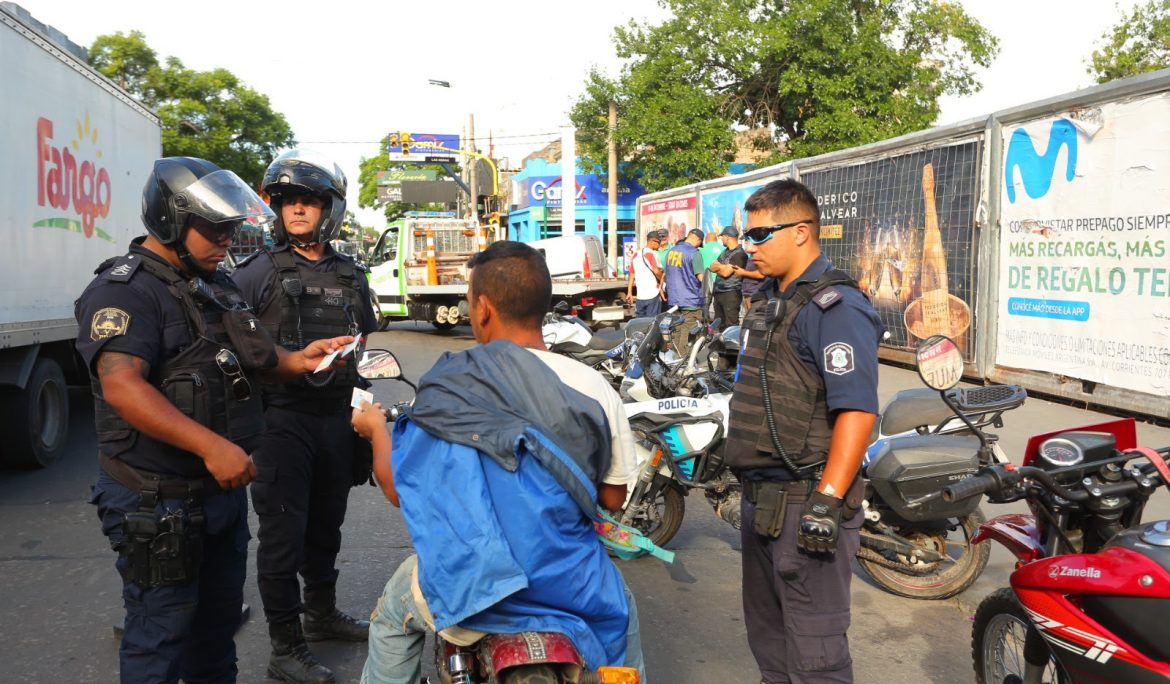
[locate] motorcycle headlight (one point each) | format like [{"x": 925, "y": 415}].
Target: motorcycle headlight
[{"x": 1059, "y": 452}]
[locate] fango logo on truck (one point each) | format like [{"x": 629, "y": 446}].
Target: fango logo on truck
[{"x": 72, "y": 184}]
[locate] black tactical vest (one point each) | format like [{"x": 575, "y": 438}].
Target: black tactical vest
[
  {"x": 192, "y": 379},
  {"x": 304, "y": 305},
  {"x": 797, "y": 391}
]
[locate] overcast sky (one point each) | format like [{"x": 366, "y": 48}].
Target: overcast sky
[{"x": 346, "y": 73}]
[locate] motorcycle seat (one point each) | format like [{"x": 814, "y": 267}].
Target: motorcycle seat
[
  {"x": 910, "y": 408},
  {"x": 606, "y": 339}
]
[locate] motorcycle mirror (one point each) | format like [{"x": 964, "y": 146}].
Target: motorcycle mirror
[
  {"x": 379, "y": 364},
  {"x": 940, "y": 363}
]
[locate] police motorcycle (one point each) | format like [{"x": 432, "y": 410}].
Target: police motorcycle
[
  {"x": 1088, "y": 597},
  {"x": 607, "y": 351},
  {"x": 657, "y": 372},
  {"x": 523, "y": 658},
  {"x": 923, "y": 441}
]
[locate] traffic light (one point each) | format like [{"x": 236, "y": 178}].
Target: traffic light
[
  {"x": 405, "y": 140},
  {"x": 393, "y": 140},
  {"x": 481, "y": 204}
]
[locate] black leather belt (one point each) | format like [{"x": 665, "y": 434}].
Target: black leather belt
[{"x": 168, "y": 487}]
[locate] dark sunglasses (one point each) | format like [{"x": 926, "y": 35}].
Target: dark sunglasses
[
  {"x": 760, "y": 235},
  {"x": 217, "y": 232},
  {"x": 230, "y": 366}
]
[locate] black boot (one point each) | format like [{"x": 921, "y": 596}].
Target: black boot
[
  {"x": 323, "y": 621},
  {"x": 291, "y": 659}
]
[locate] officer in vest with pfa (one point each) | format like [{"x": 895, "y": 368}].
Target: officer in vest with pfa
[
  {"x": 801, "y": 414},
  {"x": 304, "y": 290},
  {"x": 176, "y": 358}
]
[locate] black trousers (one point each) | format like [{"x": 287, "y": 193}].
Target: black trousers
[
  {"x": 796, "y": 605},
  {"x": 727, "y": 308},
  {"x": 300, "y": 495}
]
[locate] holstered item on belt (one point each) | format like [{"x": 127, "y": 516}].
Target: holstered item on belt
[
  {"x": 771, "y": 499},
  {"x": 164, "y": 551}
]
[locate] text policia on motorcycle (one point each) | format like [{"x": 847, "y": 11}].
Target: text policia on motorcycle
[
  {"x": 799, "y": 425},
  {"x": 560, "y": 449}
]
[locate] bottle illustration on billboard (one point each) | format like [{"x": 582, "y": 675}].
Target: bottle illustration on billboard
[{"x": 936, "y": 311}]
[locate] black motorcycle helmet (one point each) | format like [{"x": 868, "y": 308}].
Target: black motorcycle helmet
[
  {"x": 303, "y": 171},
  {"x": 181, "y": 187}
]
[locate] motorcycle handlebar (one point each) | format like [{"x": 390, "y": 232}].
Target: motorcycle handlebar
[
  {"x": 972, "y": 486},
  {"x": 998, "y": 477}
]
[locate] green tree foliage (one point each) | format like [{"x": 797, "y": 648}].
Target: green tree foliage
[
  {"x": 1139, "y": 43},
  {"x": 207, "y": 114},
  {"x": 368, "y": 179},
  {"x": 815, "y": 75}
]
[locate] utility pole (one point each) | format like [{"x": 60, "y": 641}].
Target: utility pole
[
  {"x": 612, "y": 248},
  {"x": 568, "y": 180},
  {"x": 473, "y": 163}
]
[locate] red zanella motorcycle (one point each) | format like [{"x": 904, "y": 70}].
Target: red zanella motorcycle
[{"x": 1090, "y": 594}]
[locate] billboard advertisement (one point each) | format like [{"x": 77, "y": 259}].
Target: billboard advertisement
[
  {"x": 722, "y": 207},
  {"x": 547, "y": 192},
  {"x": 903, "y": 227},
  {"x": 1084, "y": 288},
  {"x": 676, "y": 215},
  {"x": 423, "y": 147}
]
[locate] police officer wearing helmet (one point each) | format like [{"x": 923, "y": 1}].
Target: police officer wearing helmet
[
  {"x": 801, "y": 415},
  {"x": 304, "y": 290},
  {"x": 176, "y": 359}
]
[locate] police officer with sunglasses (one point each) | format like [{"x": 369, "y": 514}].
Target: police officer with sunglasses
[
  {"x": 801, "y": 414},
  {"x": 175, "y": 357}
]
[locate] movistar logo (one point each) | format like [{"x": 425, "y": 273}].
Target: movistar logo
[{"x": 1037, "y": 170}]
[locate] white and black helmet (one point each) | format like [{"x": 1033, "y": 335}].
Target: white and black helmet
[{"x": 304, "y": 171}]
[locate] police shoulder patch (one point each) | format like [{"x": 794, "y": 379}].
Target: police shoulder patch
[
  {"x": 827, "y": 297},
  {"x": 839, "y": 358},
  {"x": 124, "y": 268},
  {"x": 108, "y": 322}
]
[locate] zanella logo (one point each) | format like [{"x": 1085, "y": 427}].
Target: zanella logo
[
  {"x": 1055, "y": 571},
  {"x": 75, "y": 186}
]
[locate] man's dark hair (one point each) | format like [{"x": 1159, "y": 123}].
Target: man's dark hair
[
  {"x": 514, "y": 276},
  {"x": 786, "y": 194}
]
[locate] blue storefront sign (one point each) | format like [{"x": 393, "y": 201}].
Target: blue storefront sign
[{"x": 548, "y": 191}]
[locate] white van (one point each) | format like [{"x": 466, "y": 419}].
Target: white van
[{"x": 574, "y": 256}]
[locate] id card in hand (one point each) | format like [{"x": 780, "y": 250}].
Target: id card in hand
[{"x": 360, "y": 395}]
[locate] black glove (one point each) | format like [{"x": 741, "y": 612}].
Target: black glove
[{"x": 819, "y": 523}]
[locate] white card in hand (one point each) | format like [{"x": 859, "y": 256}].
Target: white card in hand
[
  {"x": 326, "y": 361},
  {"x": 360, "y": 395},
  {"x": 351, "y": 347}
]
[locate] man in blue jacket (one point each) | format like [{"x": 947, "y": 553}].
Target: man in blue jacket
[
  {"x": 684, "y": 285},
  {"x": 498, "y": 466}
]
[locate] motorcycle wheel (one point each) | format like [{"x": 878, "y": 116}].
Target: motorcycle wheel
[
  {"x": 997, "y": 642},
  {"x": 663, "y": 517},
  {"x": 531, "y": 674},
  {"x": 931, "y": 581}
]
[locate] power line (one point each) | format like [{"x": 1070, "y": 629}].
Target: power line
[{"x": 379, "y": 142}]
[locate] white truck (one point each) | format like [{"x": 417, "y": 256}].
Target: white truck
[
  {"x": 418, "y": 271},
  {"x": 76, "y": 150}
]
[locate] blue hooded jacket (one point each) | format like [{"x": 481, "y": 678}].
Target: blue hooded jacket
[{"x": 496, "y": 467}]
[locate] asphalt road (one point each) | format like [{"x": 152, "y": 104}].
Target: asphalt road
[{"x": 61, "y": 595}]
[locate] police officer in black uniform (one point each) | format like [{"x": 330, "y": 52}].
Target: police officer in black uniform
[
  {"x": 304, "y": 290},
  {"x": 801, "y": 414},
  {"x": 176, "y": 358}
]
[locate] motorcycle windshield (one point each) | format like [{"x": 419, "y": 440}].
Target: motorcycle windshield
[{"x": 223, "y": 196}]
